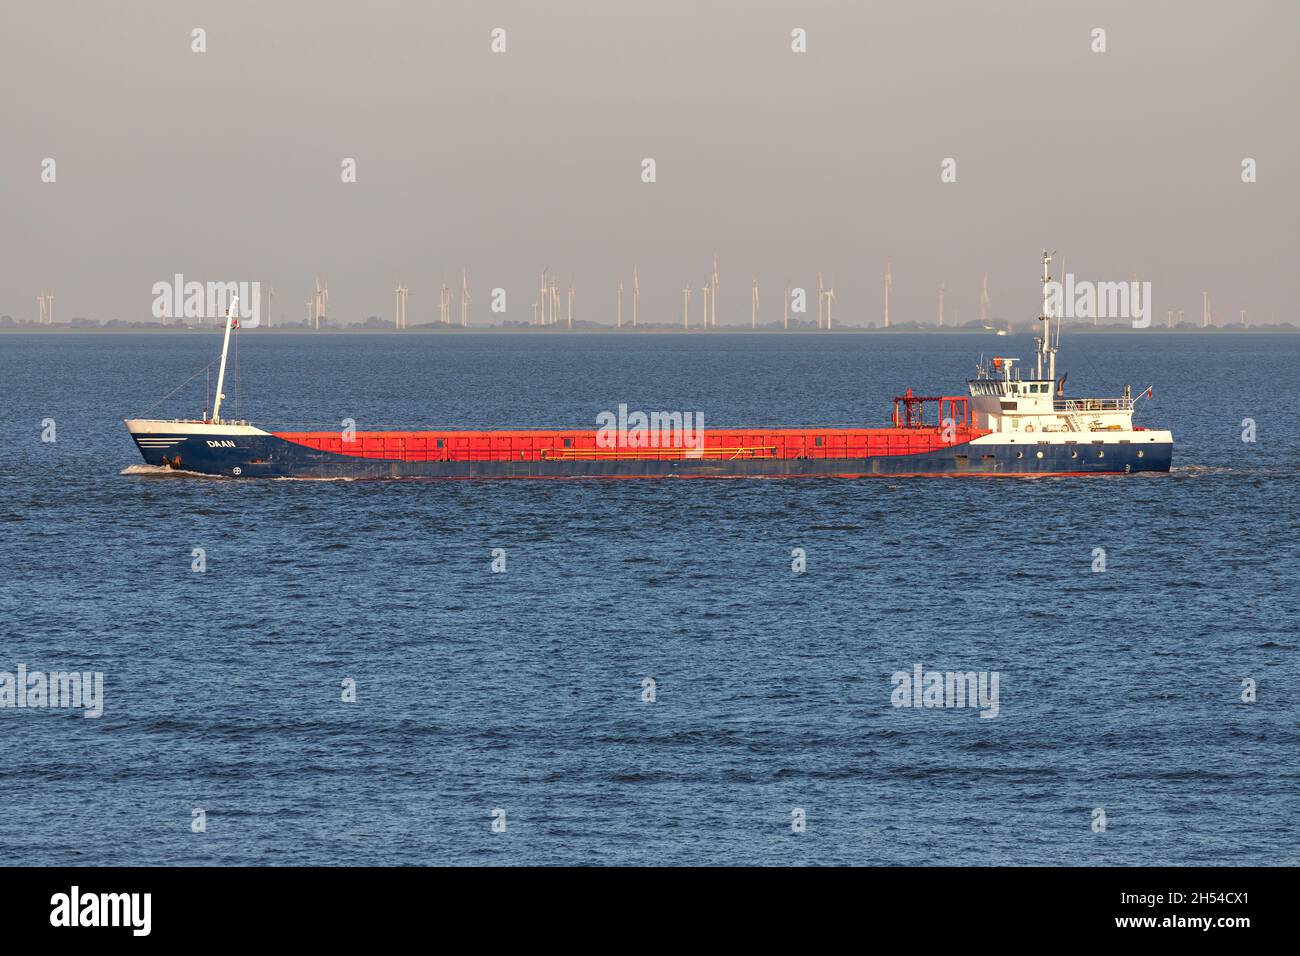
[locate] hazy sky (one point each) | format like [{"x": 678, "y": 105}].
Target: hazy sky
[{"x": 226, "y": 165}]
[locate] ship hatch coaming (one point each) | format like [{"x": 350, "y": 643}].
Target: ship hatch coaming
[{"x": 717, "y": 444}]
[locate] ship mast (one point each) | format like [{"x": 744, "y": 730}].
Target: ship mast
[
  {"x": 221, "y": 374},
  {"x": 1045, "y": 350}
]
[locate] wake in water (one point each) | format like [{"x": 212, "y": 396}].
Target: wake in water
[
  {"x": 158, "y": 471},
  {"x": 1195, "y": 471}
]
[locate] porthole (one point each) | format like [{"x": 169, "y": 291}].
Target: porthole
[
  {"x": 1101, "y": 453},
  {"x": 1074, "y": 454},
  {"x": 1141, "y": 453},
  {"x": 1040, "y": 454},
  {"x": 1020, "y": 454}
]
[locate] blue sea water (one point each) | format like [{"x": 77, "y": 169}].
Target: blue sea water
[{"x": 522, "y": 691}]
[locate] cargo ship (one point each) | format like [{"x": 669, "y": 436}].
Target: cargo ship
[{"x": 1013, "y": 420}]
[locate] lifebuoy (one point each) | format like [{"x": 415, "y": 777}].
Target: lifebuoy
[{"x": 1029, "y": 428}]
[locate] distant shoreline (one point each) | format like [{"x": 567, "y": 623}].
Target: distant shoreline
[{"x": 434, "y": 330}]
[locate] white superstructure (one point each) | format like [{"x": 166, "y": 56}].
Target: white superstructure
[{"x": 1033, "y": 408}]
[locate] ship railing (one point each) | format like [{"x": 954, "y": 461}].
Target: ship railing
[
  {"x": 643, "y": 454},
  {"x": 1076, "y": 405}
]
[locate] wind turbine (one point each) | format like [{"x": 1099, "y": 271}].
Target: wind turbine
[
  {"x": 400, "y": 315},
  {"x": 570, "y": 301},
  {"x": 715, "y": 290},
  {"x": 636, "y": 294},
  {"x": 40, "y": 307},
  {"x": 888, "y": 286},
  {"x": 984, "y": 302},
  {"x": 889, "y": 283},
  {"x": 49, "y": 307},
  {"x": 270, "y": 300},
  {"x": 707, "y": 289},
  {"x": 322, "y": 300},
  {"x": 753, "y": 312},
  {"x": 464, "y": 298},
  {"x": 309, "y": 304},
  {"x": 1205, "y": 309},
  {"x": 787, "y": 303},
  {"x": 686, "y": 307},
  {"x": 555, "y": 301},
  {"x": 821, "y": 298},
  {"x": 830, "y": 307},
  {"x": 618, "y": 312},
  {"x": 942, "y": 286}
]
